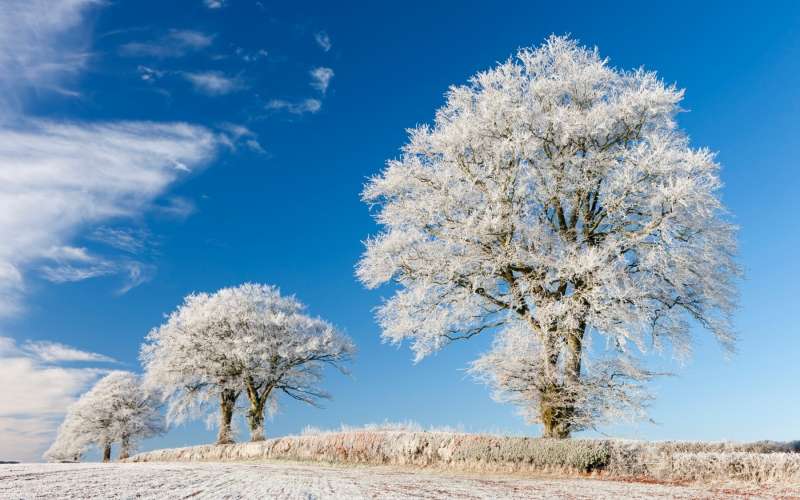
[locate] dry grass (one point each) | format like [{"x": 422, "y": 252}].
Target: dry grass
[{"x": 392, "y": 444}]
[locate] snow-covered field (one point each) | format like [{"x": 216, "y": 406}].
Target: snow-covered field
[{"x": 306, "y": 481}]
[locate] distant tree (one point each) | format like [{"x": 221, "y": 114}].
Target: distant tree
[
  {"x": 70, "y": 444},
  {"x": 136, "y": 412},
  {"x": 191, "y": 360},
  {"x": 116, "y": 409},
  {"x": 554, "y": 201},
  {"x": 247, "y": 338}
]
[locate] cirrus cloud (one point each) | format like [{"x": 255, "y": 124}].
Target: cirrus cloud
[{"x": 58, "y": 178}]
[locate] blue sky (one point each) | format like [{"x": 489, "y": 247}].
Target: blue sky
[{"x": 170, "y": 147}]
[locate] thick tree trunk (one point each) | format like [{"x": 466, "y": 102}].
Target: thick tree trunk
[
  {"x": 227, "y": 400},
  {"x": 554, "y": 413},
  {"x": 107, "y": 452},
  {"x": 255, "y": 419},
  {"x": 558, "y": 399},
  {"x": 125, "y": 448}
]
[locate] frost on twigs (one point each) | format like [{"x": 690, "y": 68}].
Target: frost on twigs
[{"x": 555, "y": 202}]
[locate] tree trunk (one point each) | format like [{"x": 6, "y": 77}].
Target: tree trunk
[
  {"x": 255, "y": 416},
  {"x": 107, "y": 452},
  {"x": 558, "y": 399},
  {"x": 554, "y": 413},
  {"x": 125, "y": 448},
  {"x": 227, "y": 400}
]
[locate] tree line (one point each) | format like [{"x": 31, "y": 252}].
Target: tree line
[
  {"x": 553, "y": 204},
  {"x": 245, "y": 341}
]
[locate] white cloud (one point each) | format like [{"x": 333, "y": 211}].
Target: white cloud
[
  {"x": 54, "y": 352},
  {"x": 213, "y": 82},
  {"x": 297, "y": 108},
  {"x": 137, "y": 273},
  {"x": 60, "y": 177},
  {"x": 250, "y": 56},
  {"x": 214, "y": 4},
  {"x": 65, "y": 264},
  {"x": 176, "y": 207},
  {"x": 36, "y": 393},
  {"x": 323, "y": 40},
  {"x": 42, "y": 46},
  {"x": 321, "y": 78},
  {"x": 149, "y": 74},
  {"x": 176, "y": 43},
  {"x": 130, "y": 240},
  {"x": 234, "y": 134}
]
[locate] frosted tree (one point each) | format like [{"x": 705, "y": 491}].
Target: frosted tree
[
  {"x": 70, "y": 444},
  {"x": 554, "y": 202},
  {"x": 242, "y": 339},
  {"x": 282, "y": 349},
  {"x": 116, "y": 409},
  {"x": 136, "y": 414},
  {"x": 191, "y": 360}
]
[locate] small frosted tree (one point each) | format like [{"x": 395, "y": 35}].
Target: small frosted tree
[
  {"x": 191, "y": 360},
  {"x": 116, "y": 409},
  {"x": 554, "y": 202},
  {"x": 136, "y": 414},
  {"x": 247, "y": 338},
  {"x": 70, "y": 444}
]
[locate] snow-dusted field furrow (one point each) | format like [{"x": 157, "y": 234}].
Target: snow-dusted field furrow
[{"x": 303, "y": 481}]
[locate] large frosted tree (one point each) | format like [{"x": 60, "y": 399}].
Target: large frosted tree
[{"x": 554, "y": 203}]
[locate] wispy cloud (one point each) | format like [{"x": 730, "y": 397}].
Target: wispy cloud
[
  {"x": 60, "y": 177},
  {"x": 214, "y": 4},
  {"x": 213, "y": 82},
  {"x": 55, "y": 352},
  {"x": 234, "y": 134},
  {"x": 249, "y": 57},
  {"x": 37, "y": 389},
  {"x": 176, "y": 43},
  {"x": 321, "y": 78},
  {"x": 296, "y": 108},
  {"x": 176, "y": 207},
  {"x": 149, "y": 74},
  {"x": 130, "y": 240},
  {"x": 64, "y": 264},
  {"x": 323, "y": 40},
  {"x": 136, "y": 273},
  {"x": 43, "y": 47}
]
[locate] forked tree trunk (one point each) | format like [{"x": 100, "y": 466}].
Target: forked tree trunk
[
  {"x": 107, "y": 452},
  {"x": 255, "y": 416},
  {"x": 227, "y": 400}
]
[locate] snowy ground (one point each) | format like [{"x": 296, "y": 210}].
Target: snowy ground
[{"x": 305, "y": 481}]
